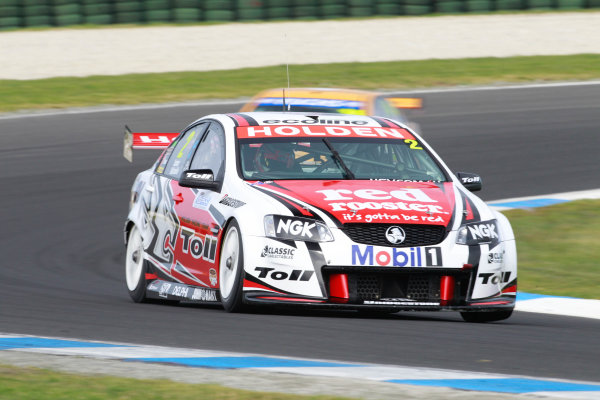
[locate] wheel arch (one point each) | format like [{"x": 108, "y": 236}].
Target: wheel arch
[{"x": 129, "y": 224}]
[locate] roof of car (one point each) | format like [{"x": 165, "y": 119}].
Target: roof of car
[{"x": 264, "y": 118}]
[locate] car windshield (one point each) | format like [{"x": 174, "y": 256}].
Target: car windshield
[{"x": 337, "y": 158}]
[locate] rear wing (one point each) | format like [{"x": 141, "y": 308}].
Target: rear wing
[
  {"x": 405, "y": 102},
  {"x": 145, "y": 140}
]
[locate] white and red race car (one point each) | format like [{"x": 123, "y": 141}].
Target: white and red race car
[{"x": 318, "y": 210}]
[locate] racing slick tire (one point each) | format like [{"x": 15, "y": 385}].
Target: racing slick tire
[
  {"x": 231, "y": 269},
  {"x": 135, "y": 267},
  {"x": 485, "y": 316}
]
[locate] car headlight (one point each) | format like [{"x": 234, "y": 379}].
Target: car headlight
[
  {"x": 295, "y": 228},
  {"x": 478, "y": 233}
]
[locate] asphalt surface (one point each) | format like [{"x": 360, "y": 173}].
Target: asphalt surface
[{"x": 65, "y": 189}]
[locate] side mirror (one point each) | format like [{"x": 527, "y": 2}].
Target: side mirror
[
  {"x": 472, "y": 182},
  {"x": 198, "y": 178}
]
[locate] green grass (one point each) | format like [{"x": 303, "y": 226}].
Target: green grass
[
  {"x": 558, "y": 249},
  {"x": 37, "y": 384},
  {"x": 189, "y": 86}
]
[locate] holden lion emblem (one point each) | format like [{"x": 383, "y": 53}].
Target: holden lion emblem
[{"x": 395, "y": 235}]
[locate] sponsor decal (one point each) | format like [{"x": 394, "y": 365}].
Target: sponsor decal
[
  {"x": 392, "y": 217},
  {"x": 294, "y": 227},
  {"x": 395, "y": 234},
  {"x": 311, "y": 121},
  {"x": 278, "y": 252},
  {"x": 199, "y": 247},
  {"x": 164, "y": 289},
  {"x": 412, "y": 200},
  {"x": 294, "y": 275},
  {"x": 231, "y": 202},
  {"x": 152, "y": 140},
  {"x": 470, "y": 179},
  {"x": 212, "y": 275},
  {"x": 494, "y": 278},
  {"x": 397, "y": 257},
  {"x": 400, "y": 302},
  {"x": 180, "y": 291},
  {"x": 198, "y": 177},
  {"x": 167, "y": 289},
  {"x": 202, "y": 201},
  {"x": 244, "y": 132},
  {"x": 495, "y": 258},
  {"x": 200, "y": 294},
  {"x": 483, "y": 232},
  {"x": 153, "y": 286}
]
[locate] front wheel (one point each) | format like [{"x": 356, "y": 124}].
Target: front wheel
[
  {"x": 135, "y": 267},
  {"x": 231, "y": 269},
  {"x": 485, "y": 316}
]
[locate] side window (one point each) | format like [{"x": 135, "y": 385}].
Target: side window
[
  {"x": 160, "y": 168},
  {"x": 211, "y": 151},
  {"x": 179, "y": 157}
]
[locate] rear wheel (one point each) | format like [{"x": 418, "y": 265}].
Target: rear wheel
[
  {"x": 231, "y": 269},
  {"x": 135, "y": 267},
  {"x": 485, "y": 316}
]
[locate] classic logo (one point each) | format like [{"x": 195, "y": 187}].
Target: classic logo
[
  {"x": 495, "y": 258},
  {"x": 395, "y": 235},
  {"x": 277, "y": 252}
]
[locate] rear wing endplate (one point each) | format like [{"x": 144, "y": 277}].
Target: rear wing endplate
[
  {"x": 406, "y": 102},
  {"x": 145, "y": 140}
]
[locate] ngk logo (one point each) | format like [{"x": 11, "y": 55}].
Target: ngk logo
[
  {"x": 483, "y": 231},
  {"x": 295, "y": 227}
]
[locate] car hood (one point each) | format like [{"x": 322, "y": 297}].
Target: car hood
[{"x": 365, "y": 201}]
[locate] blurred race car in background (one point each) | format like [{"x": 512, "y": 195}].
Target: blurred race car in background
[
  {"x": 313, "y": 210},
  {"x": 340, "y": 101}
]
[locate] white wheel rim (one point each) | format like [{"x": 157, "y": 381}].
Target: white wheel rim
[
  {"x": 134, "y": 259},
  {"x": 230, "y": 251}
]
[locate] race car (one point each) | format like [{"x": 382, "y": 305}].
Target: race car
[
  {"x": 313, "y": 210},
  {"x": 328, "y": 100}
]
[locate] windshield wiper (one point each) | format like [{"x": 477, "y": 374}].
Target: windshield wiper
[{"x": 336, "y": 157}]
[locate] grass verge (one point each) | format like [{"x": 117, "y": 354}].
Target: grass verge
[
  {"x": 38, "y": 384},
  {"x": 558, "y": 248},
  {"x": 187, "y": 86}
]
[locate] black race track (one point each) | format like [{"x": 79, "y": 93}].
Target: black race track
[{"x": 65, "y": 189}]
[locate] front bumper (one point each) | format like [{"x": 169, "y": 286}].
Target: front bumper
[{"x": 401, "y": 289}]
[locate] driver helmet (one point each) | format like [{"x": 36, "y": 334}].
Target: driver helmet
[{"x": 275, "y": 157}]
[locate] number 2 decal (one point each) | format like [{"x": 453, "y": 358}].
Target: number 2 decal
[{"x": 414, "y": 145}]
